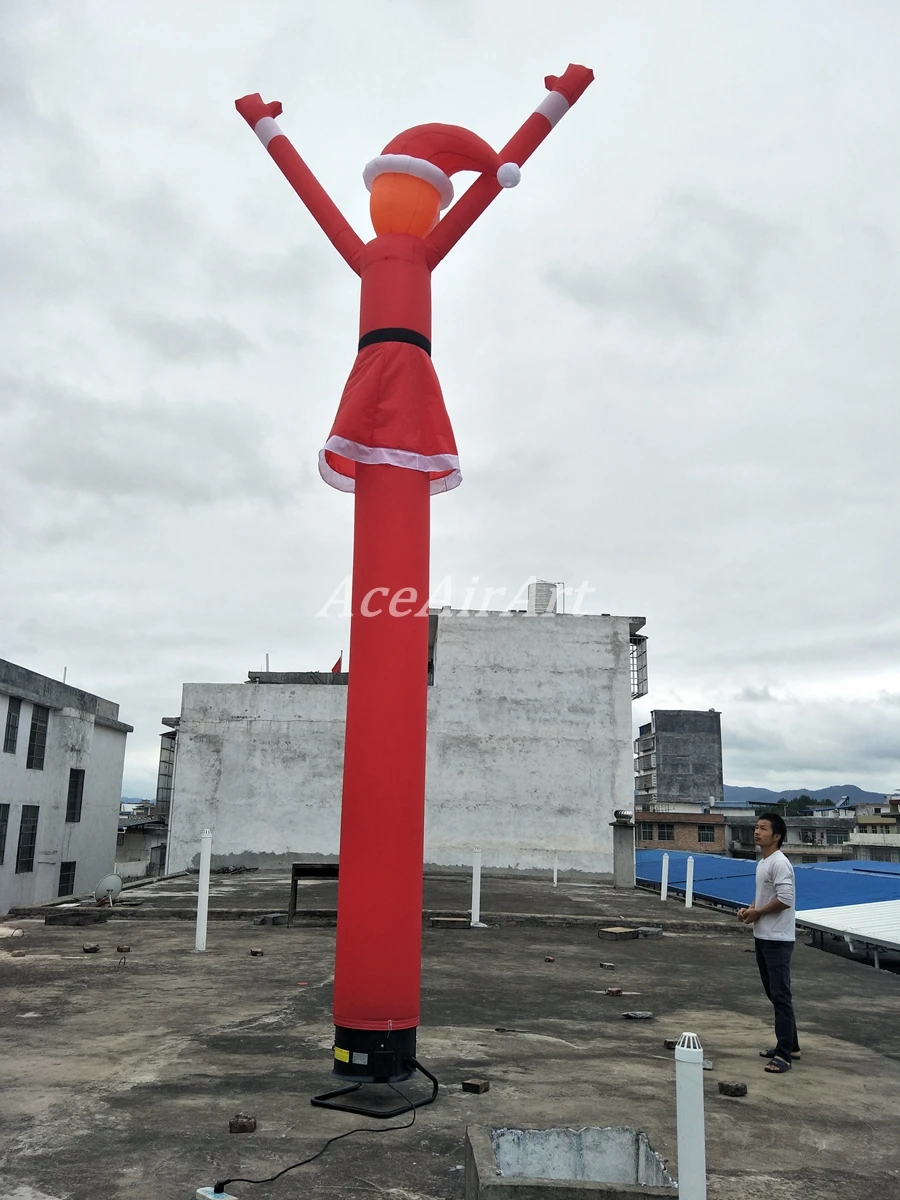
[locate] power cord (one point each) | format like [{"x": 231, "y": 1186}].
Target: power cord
[{"x": 221, "y": 1185}]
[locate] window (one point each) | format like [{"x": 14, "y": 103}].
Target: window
[
  {"x": 639, "y": 686},
  {"x": 809, "y": 858},
  {"x": 37, "y": 738},
  {"x": 665, "y": 832},
  {"x": 66, "y": 879},
  {"x": 165, "y": 777},
  {"x": 11, "y": 736},
  {"x": 645, "y": 831},
  {"x": 158, "y": 860},
  {"x": 76, "y": 792},
  {"x": 4, "y": 821},
  {"x": 27, "y": 838},
  {"x": 835, "y": 837},
  {"x": 120, "y": 839},
  {"x": 706, "y": 833}
]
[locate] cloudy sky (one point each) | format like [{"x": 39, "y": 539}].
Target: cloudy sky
[{"x": 671, "y": 355}]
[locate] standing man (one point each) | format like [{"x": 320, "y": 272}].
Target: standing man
[{"x": 772, "y": 917}]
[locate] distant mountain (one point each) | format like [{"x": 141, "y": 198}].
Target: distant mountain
[
  {"x": 134, "y": 800},
  {"x": 755, "y": 795}
]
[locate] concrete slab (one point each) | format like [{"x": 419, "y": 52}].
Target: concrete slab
[
  {"x": 505, "y": 899},
  {"x": 615, "y": 1154},
  {"x": 26, "y": 1193},
  {"x": 123, "y": 1078}
]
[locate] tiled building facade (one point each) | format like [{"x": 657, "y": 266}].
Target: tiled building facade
[{"x": 697, "y": 833}]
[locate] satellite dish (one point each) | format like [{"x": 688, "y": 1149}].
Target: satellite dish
[{"x": 108, "y": 889}]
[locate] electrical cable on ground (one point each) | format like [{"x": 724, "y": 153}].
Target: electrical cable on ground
[{"x": 222, "y": 1184}]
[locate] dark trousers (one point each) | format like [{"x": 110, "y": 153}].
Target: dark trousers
[{"x": 774, "y": 962}]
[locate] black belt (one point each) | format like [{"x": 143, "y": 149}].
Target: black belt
[{"x": 395, "y": 335}]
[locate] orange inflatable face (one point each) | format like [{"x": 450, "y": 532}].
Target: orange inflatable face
[{"x": 403, "y": 204}]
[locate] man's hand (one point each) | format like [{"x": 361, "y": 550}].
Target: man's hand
[
  {"x": 748, "y": 915},
  {"x": 253, "y": 109}
]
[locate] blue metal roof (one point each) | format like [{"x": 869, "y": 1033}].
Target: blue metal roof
[
  {"x": 732, "y": 880},
  {"x": 865, "y": 866}
]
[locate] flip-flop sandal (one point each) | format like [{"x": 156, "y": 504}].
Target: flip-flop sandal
[
  {"x": 773, "y": 1053},
  {"x": 777, "y": 1067}
]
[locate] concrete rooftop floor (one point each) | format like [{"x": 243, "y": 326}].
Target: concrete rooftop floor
[{"x": 119, "y": 1081}]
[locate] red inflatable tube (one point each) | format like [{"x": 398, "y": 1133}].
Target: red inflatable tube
[
  {"x": 376, "y": 981},
  {"x": 392, "y": 444}
]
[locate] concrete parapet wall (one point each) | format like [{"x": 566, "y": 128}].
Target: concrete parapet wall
[{"x": 529, "y": 752}]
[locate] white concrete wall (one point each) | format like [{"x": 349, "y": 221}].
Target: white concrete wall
[
  {"x": 529, "y": 739},
  {"x": 529, "y": 751},
  {"x": 74, "y": 739},
  {"x": 131, "y": 869},
  {"x": 260, "y": 765},
  {"x": 133, "y": 855}
]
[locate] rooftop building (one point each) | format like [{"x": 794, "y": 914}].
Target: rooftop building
[
  {"x": 528, "y": 754},
  {"x": 60, "y": 784},
  {"x": 678, "y": 761},
  {"x": 697, "y": 832},
  {"x": 809, "y": 839}
]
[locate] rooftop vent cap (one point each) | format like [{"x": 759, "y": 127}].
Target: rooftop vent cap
[{"x": 688, "y": 1048}]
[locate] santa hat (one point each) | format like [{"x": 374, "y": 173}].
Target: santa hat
[{"x": 434, "y": 152}]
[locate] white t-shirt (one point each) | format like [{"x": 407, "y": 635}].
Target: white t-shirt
[{"x": 775, "y": 880}]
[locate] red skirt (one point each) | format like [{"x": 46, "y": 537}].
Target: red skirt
[{"x": 392, "y": 411}]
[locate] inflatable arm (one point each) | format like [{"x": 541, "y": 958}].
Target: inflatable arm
[
  {"x": 261, "y": 119},
  {"x": 562, "y": 92}
]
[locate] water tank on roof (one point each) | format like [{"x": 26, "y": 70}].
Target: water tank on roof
[{"x": 541, "y": 597}]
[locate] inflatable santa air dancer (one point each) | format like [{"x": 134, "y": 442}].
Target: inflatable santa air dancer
[{"x": 392, "y": 445}]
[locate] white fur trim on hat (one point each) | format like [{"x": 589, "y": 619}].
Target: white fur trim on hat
[
  {"x": 405, "y": 164},
  {"x": 394, "y": 458},
  {"x": 508, "y": 174}
]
